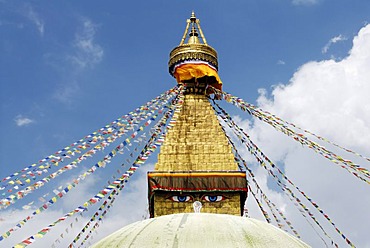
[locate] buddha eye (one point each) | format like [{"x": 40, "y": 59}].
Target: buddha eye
[
  {"x": 181, "y": 198},
  {"x": 213, "y": 198}
]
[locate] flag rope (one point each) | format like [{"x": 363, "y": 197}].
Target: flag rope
[
  {"x": 252, "y": 110},
  {"x": 155, "y": 141},
  {"x": 90, "y": 137},
  {"x": 82, "y": 176},
  {"x": 254, "y": 149},
  {"x": 11, "y": 199}
]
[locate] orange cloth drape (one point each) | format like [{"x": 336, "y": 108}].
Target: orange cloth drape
[{"x": 193, "y": 70}]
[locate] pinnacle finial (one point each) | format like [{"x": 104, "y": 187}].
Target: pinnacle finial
[
  {"x": 193, "y": 36},
  {"x": 193, "y": 17},
  {"x": 193, "y": 23}
]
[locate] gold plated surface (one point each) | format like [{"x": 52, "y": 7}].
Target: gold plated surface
[{"x": 196, "y": 142}]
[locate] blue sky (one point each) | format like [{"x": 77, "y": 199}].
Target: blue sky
[
  {"x": 68, "y": 68},
  {"x": 42, "y": 81}
]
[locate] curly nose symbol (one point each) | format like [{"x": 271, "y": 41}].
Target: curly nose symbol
[{"x": 197, "y": 205}]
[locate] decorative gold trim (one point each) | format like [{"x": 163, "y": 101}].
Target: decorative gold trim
[{"x": 192, "y": 52}]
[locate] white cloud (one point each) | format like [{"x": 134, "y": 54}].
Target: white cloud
[
  {"x": 305, "y": 2},
  {"x": 329, "y": 98},
  {"x": 88, "y": 53},
  {"x": 280, "y": 62},
  {"x": 35, "y": 18},
  {"x": 333, "y": 41},
  {"x": 34, "y": 225},
  {"x": 21, "y": 121},
  {"x": 66, "y": 92}
]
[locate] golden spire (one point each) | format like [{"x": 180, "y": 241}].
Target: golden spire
[
  {"x": 194, "y": 48},
  {"x": 195, "y": 24},
  {"x": 196, "y": 162}
]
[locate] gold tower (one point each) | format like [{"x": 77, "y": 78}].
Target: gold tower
[{"x": 196, "y": 170}]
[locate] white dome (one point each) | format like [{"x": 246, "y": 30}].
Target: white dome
[{"x": 200, "y": 230}]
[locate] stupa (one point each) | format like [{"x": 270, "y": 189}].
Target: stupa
[{"x": 197, "y": 192}]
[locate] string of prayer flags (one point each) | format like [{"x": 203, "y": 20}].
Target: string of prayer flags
[
  {"x": 91, "y": 138},
  {"x": 104, "y": 142},
  {"x": 265, "y": 214},
  {"x": 107, "y": 203},
  {"x": 39, "y": 210},
  {"x": 239, "y": 158},
  {"x": 82, "y": 176},
  {"x": 359, "y": 172},
  {"x": 150, "y": 148},
  {"x": 121, "y": 181},
  {"x": 256, "y": 152},
  {"x": 319, "y": 137},
  {"x": 20, "y": 194},
  {"x": 285, "y": 189}
]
